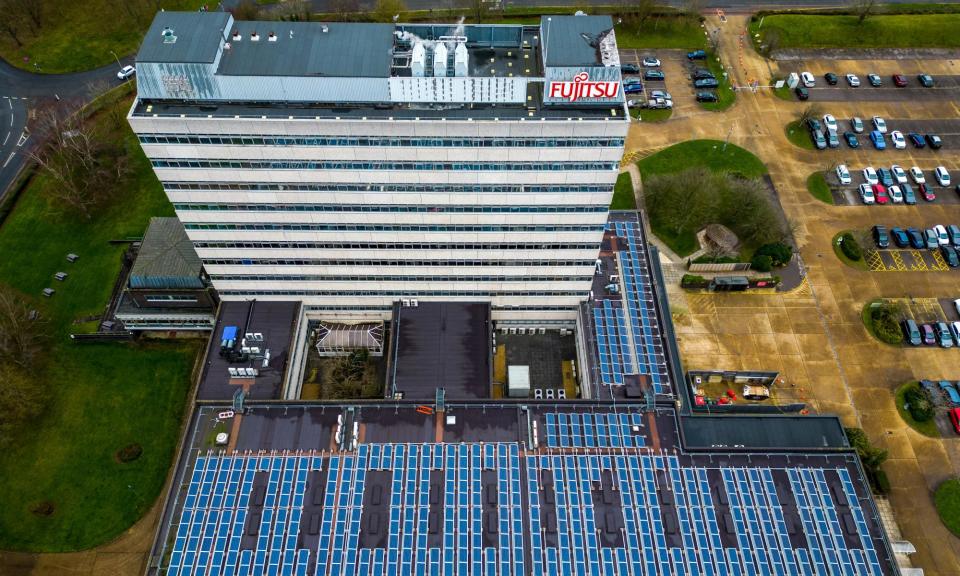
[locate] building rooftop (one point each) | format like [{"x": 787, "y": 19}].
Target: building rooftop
[
  {"x": 338, "y": 49},
  {"x": 166, "y": 258},
  {"x": 577, "y": 40},
  {"x": 194, "y": 37}
]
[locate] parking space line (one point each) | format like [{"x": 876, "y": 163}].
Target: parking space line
[
  {"x": 941, "y": 265},
  {"x": 875, "y": 261},
  {"x": 919, "y": 264},
  {"x": 898, "y": 261}
]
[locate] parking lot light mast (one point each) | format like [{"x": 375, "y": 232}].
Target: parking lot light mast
[{"x": 119, "y": 65}]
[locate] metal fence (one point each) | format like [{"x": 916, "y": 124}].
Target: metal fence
[{"x": 719, "y": 267}]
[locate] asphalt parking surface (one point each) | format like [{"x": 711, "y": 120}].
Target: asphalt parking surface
[
  {"x": 906, "y": 260},
  {"x": 849, "y": 195},
  {"x": 947, "y": 129},
  {"x": 944, "y": 88}
]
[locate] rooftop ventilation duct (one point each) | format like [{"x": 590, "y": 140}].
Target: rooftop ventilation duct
[
  {"x": 236, "y": 36},
  {"x": 254, "y": 37},
  {"x": 440, "y": 60},
  {"x": 461, "y": 60},
  {"x": 168, "y": 36},
  {"x": 418, "y": 60}
]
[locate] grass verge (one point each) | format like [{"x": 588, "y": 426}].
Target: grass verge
[
  {"x": 819, "y": 189},
  {"x": 623, "y": 198},
  {"x": 725, "y": 94},
  {"x": 947, "y": 501},
  {"x": 858, "y": 264},
  {"x": 663, "y": 31},
  {"x": 798, "y": 135},
  {"x": 928, "y": 428},
  {"x": 866, "y": 318},
  {"x": 844, "y": 31},
  {"x": 654, "y": 114},
  {"x": 104, "y": 396}
]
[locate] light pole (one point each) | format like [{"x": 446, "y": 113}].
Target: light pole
[{"x": 119, "y": 65}]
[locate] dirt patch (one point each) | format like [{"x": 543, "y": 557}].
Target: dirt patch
[
  {"x": 43, "y": 509},
  {"x": 128, "y": 453}
]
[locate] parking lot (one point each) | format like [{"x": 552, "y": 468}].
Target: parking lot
[
  {"x": 677, "y": 71},
  {"x": 905, "y": 260},
  {"x": 944, "y": 88},
  {"x": 947, "y": 129},
  {"x": 849, "y": 194}
]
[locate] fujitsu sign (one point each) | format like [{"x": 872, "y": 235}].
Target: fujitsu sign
[{"x": 582, "y": 87}]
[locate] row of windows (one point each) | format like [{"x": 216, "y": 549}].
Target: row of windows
[
  {"x": 393, "y": 246},
  {"x": 170, "y": 298},
  {"x": 335, "y": 262},
  {"x": 372, "y": 307},
  {"x": 396, "y": 227},
  {"x": 423, "y": 188},
  {"x": 422, "y": 166},
  {"x": 405, "y": 294},
  {"x": 251, "y": 140},
  {"x": 405, "y": 208},
  {"x": 396, "y": 278}
]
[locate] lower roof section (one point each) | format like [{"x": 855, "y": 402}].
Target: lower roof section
[{"x": 764, "y": 432}]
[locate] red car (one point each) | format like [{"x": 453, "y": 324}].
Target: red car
[
  {"x": 899, "y": 80},
  {"x": 927, "y": 192},
  {"x": 880, "y": 194},
  {"x": 955, "y": 419}
]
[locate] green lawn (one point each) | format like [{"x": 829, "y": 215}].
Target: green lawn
[
  {"x": 78, "y": 35},
  {"x": 653, "y": 114},
  {"x": 819, "y": 189},
  {"x": 798, "y": 135},
  {"x": 104, "y": 396},
  {"x": 725, "y": 94},
  {"x": 947, "y": 501},
  {"x": 623, "y": 198},
  {"x": 867, "y": 307},
  {"x": 928, "y": 428},
  {"x": 662, "y": 32},
  {"x": 858, "y": 264},
  {"x": 841, "y": 31}
]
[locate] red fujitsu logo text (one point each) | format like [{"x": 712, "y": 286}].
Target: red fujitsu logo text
[{"x": 581, "y": 87}]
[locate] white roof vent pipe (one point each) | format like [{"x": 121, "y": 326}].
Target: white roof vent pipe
[
  {"x": 254, "y": 37},
  {"x": 271, "y": 37},
  {"x": 440, "y": 60},
  {"x": 418, "y": 60},
  {"x": 236, "y": 36},
  {"x": 461, "y": 60}
]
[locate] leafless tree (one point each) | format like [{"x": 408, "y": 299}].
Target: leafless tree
[
  {"x": 345, "y": 10},
  {"x": 11, "y": 22},
  {"x": 692, "y": 8},
  {"x": 479, "y": 9},
  {"x": 386, "y": 10},
  {"x": 246, "y": 10},
  {"x": 292, "y": 10},
  {"x": 863, "y": 9},
  {"x": 637, "y": 12},
  {"x": 22, "y": 332},
  {"x": 809, "y": 113},
  {"x": 82, "y": 162}
]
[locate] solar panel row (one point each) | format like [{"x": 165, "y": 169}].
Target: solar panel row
[{"x": 594, "y": 430}]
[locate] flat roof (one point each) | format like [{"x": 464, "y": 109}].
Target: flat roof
[
  {"x": 337, "y": 49},
  {"x": 441, "y": 345},
  {"x": 573, "y": 40},
  {"x": 764, "y": 432},
  {"x": 197, "y": 37}
]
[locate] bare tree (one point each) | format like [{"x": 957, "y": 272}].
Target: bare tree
[
  {"x": 292, "y": 10},
  {"x": 809, "y": 113},
  {"x": 22, "y": 332},
  {"x": 246, "y": 10},
  {"x": 11, "y": 22},
  {"x": 386, "y": 10},
  {"x": 77, "y": 158},
  {"x": 479, "y": 9},
  {"x": 345, "y": 10},
  {"x": 863, "y": 9},
  {"x": 637, "y": 12},
  {"x": 692, "y": 8}
]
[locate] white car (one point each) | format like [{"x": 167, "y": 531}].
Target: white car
[
  {"x": 917, "y": 174},
  {"x": 853, "y": 81},
  {"x": 956, "y": 304},
  {"x": 899, "y": 174},
  {"x": 633, "y": 103},
  {"x": 808, "y": 79},
  {"x": 830, "y": 122},
  {"x": 880, "y": 124},
  {"x": 896, "y": 195},
  {"x": 870, "y": 175},
  {"x": 651, "y": 62},
  {"x": 866, "y": 194},
  {"x": 899, "y": 142},
  {"x": 843, "y": 175},
  {"x": 955, "y": 328},
  {"x": 942, "y": 236},
  {"x": 126, "y": 72},
  {"x": 942, "y": 176},
  {"x": 661, "y": 94}
]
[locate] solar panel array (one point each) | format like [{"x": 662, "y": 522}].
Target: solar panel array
[
  {"x": 613, "y": 346},
  {"x": 594, "y": 430},
  {"x": 619, "y": 514}
]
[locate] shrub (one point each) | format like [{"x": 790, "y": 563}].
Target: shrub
[
  {"x": 129, "y": 453},
  {"x": 871, "y": 457},
  {"x": 885, "y": 321},
  {"x": 850, "y": 248},
  {"x": 918, "y": 404},
  {"x": 761, "y": 263},
  {"x": 778, "y": 252},
  {"x": 692, "y": 280}
]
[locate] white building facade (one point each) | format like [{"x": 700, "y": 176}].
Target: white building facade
[{"x": 351, "y": 203}]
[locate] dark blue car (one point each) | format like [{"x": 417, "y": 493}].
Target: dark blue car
[
  {"x": 899, "y": 237},
  {"x": 916, "y": 239},
  {"x": 697, "y": 55}
]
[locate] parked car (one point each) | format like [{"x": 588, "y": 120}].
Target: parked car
[
  {"x": 950, "y": 256},
  {"x": 857, "y": 124},
  {"x": 896, "y": 194},
  {"x": 832, "y": 140},
  {"x": 955, "y": 330},
  {"x": 911, "y": 332},
  {"x": 126, "y": 72},
  {"x": 917, "y": 174},
  {"x": 956, "y": 305},
  {"x": 879, "y": 124},
  {"x": 700, "y": 73},
  {"x": 926, "y": 192},
  {"x": 899, "y": 237},
  {"x": 818, "y": 139},
  {"x": 866, "y": 194},
  {"x": 632, "y": 88},
  {"x": 877, "y": 139},
  {"x": 885, "y": 176},
  {"x": 934, "y": 141},
  {"x": 831, "y": 78},
  {"x": 707, "y": 97},
  {"x": 874, "y": 80},
  {"x": 843, "y": 175},
  {"x": 706, "y": 83},
  {"x": 629, "y": 69},
  {"x": 908, "y": 195},
  {"x": 899, "y": 174},
  {"x": 917, "y": 140},
  {"x": 926, "y": 80},
  {"x": 661, "y": 94},
  {"x": 954, "y": 232},
  {"x": 651, "y": 62},
  {"x": 951, "y": 392},
  {"x": 852, "y": 140},
  {"x": 899, "y": 80},
  {"x": 881, "y": 237},
  {"x": 870, "y": 175},
  {"x": 830, "y": 122},
  {"x": 899, "y": 142},
  {"x": 942, "y": 176},
  {"x": 916, "y": 239},
  {"x": 853, "y": 81},
  {"x": 944, "y": 338},
  {"x": 653, "y": 75},
  {"x": 930, "y": 241},
  {"x": 942, "y": 236},
  {"x": 929, "y": 336},
  {"x": 808, "y": 79},
  {"x": 697, "y": 55},
  {"x": 880, "y": 193},
  {"x": 955, "y": 419},
  {"x": 802, "y": 93}
]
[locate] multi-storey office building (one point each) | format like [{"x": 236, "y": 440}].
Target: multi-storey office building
[{"x": 354, "y": 165}]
